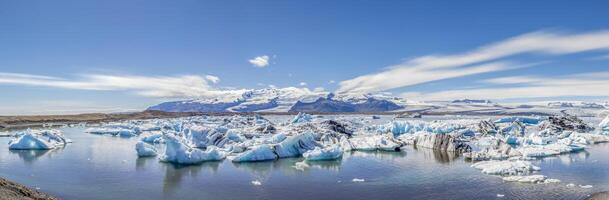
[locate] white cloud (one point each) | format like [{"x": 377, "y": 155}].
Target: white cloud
[
  {"x": 151, "y": 86},
  {"x": 431, "y": 68},
  {"x": 302, "y": 84},
  {"x": 331, "y": 82},
  {"x": 260, "y": 61},
  {"x": 527, "y": 87},
  {"x": 213, "y": 79}
]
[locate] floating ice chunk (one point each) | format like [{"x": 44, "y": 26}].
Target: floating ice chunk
[
  {"x": 552, "y": 180},
  {"x": 526, "y": 179},
  {"x": 541, "y": 140},
  {"x": 345, "y": 145},
  {"x": 178, "y": 152},
  {"x": 547, "y": 150},
  {"x": 257, "y": 153},
  {"x": 301, "y": 166},
  {"x": 197, "y": 136},
  {"x": 154, "y": 138},
  {"x": 585, "y": 186},
  {"x": 570, "y": 185},
  {"x": 145, "y": 150},
  {"x": 302, "y": 118},
  {"x": 277, "y": 138},
  {"x": 526, "y": 120},
  {"x": 604, "y": 125},
  {"x": 38, "y": 140},
  {"x": 112, "y": 131},
  {"x": 358, "y": 180},
  {"x": 500, "y": 195},
  {"x": 375, "y": 142},
  {"x": 588, "y": 138},
  {"x": 443, "y": 142},
  {"x": 329, "y": 153},
  {"x": 296, "y": 145},
  {"x": 29, "y": 141},
  {"x": 505, "y": 167},
  {"x": 256, "y": 183},
  {"x": 398, "y": 128}
]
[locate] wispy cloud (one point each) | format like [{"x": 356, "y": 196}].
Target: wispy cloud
[
  {"x": 213, "y": 79},
  {"x": 260, "y": 61},
  {"x": 151, "y": 86},
  {"x": 484, "y": 59},
  {"x": 527, "y": 87},
  {"x": 302, "y": 84}
]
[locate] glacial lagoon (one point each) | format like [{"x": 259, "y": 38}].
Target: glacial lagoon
[{"x": 107, "y": 167}]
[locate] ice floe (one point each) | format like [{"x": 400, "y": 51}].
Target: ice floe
[
  {"x": 530, "y": 179},
  {"x": 176, "y": 151},
  {"x": 505, "y": 167},
  {"x": 38, "y": 140},
  {"x": 145, "y": 150},
  {"x": 328, "y": 153}
]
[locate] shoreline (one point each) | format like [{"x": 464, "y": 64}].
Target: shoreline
[
  {"x": 599, "y": 196},
  {"x": 11, "y": 190}
]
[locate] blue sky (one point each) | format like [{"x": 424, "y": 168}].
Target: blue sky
[{"x": 338, "y": 45}]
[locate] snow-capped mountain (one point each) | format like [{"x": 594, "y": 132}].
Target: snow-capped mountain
[{"x": 283, "y": 100}]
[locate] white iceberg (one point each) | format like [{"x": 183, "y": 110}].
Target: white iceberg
[
  {"x": 145, "y": 150},
  {"x": 302, "y": 118},
  {"x": 505, "y": 167},
  {"x": 38, "y": 140},
  {"x": 153, "y": 138},
  {"x": 122, "y": 132},
  {"x": 526, "y": 120},
  {"x": 374, "y": 142},
  {"x": 178, "y": 152},
  {"x": 295, "y": 145},
  {"x": 604, "y": 125},
  {"x": 530, "y": 179},
  {"x": 29, "y": 141},
  {"x": 328, "y": 153},
  {"x": 257, "y": 153}
]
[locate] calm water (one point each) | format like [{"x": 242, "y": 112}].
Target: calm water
[{"x": 105, "y": 167}]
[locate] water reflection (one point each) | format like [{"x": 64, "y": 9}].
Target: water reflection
[
  {"x": 330, "y": 165},
  {"x": 174, "y": 174},
  {"x": 443, "y": 157},
  {"x": 384, "y": 155},
  {"x": 142, "y": 162},
  {"x": 263, "y": 169},
  {"x": 30, "y": 156}
]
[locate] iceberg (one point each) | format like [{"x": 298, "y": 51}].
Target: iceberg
[
  {"x": 176, "y": 151},
  {"x": 328, "y": 153},
  {"x": 604, "y": 125},
  {"x": 30, "y": 141},
  {"x": 443, "y": 142},
  {"x": 145, "y": 150},
  {"x": 112, "y": 131},
  {"x": 154, "y": 138},
  {"x": 526, "y": 120},
  {"x": 547, "y": 150},
  {"x": 296, "y": 145},
  {"x": 38, "y": 140},
  {"x": 262, "y": 152},
  {"x": 302, "y": 118},
  {"x": 375, "y": 142},
  {"x": 530, "y": 179},
  {"x": 505, "y": 167}
]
